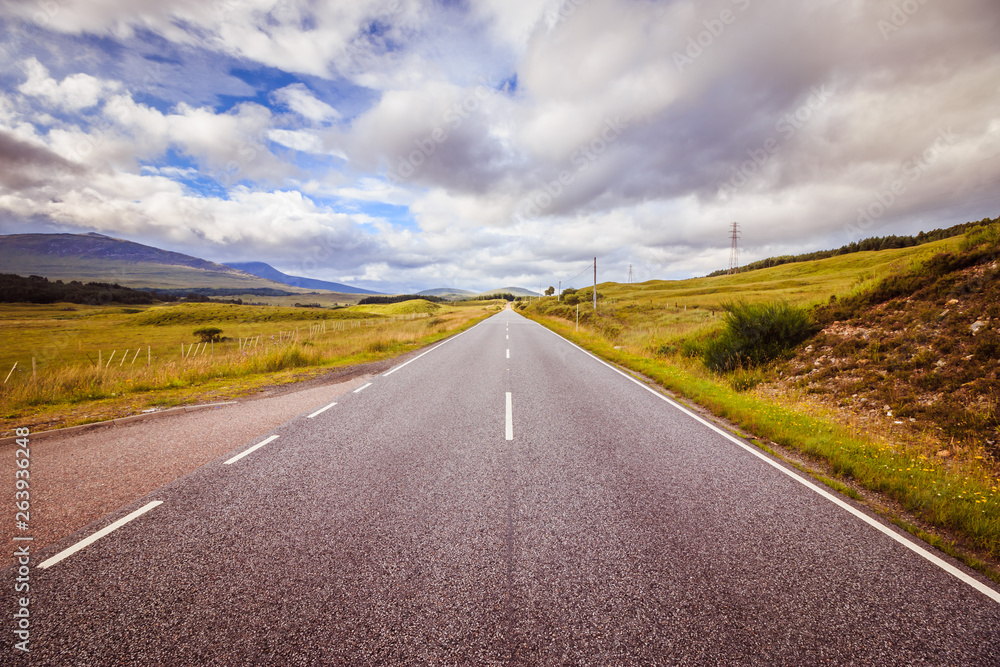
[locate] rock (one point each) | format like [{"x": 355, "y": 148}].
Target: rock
[
  {"x": 809, "y": 348},
  {"x": 943, "y": 313},
  {"x": 951, "y": 302},
  {"x": 940, "y": 362},
  {"x": 944, "y": 453},
  {"x": 976, "y": 326}
]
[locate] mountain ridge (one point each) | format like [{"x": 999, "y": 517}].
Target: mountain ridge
[{"x": 264, "y": 270}]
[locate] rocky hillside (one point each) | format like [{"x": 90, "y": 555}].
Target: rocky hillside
[{"x": 920, "y": 352}]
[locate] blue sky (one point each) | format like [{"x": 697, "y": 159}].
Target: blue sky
[{"x": 399, "y": 145}]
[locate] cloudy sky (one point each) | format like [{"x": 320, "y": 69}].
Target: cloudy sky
[{"x": 403, "y": 145}]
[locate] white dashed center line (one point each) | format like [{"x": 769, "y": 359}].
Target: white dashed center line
[
  {"x": 320, "y": 411},
  {"x": 249, "y": 450},
  {"x": 508, "y": 354},
  {"x": 362, "y": 388},
  {"x": 66, "y": 553},
  {"x": 510, "y": 420}
]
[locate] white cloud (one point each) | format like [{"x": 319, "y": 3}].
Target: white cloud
[
  {"x": 74, "y": 93},
  {"x": 741, "y": 107},
  {"x": 301, "y": 100}
]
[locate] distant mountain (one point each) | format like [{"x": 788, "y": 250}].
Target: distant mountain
[
  {"x": 447, "y": 293},
  {"x": 99, "y": 258},
  {"x": 516, "y": 291},
  {"x": 263, "y": 270}
]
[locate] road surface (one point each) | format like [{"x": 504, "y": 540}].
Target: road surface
[{"x": 505, "y": 498}]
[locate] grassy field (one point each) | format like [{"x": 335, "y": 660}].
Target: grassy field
[
  {"x": 324, "y": 299},
  {"x": 67, "y": 364},
  {"x": 659, "y": 328}
]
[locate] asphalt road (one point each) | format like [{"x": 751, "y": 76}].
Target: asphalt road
[{"x": 504, "y": 498}]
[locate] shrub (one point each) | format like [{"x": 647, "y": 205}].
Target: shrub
[
  {"x": 756, "y": 333},
  {"x": 208, "y": 334},
  {"x": 691, "y": 348}
]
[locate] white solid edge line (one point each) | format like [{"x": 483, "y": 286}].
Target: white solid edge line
[
  {"x": 250, "y": 450},
  {"x": 396, "y": 368},
  {"x": 362, "y": 388},
  {"x": 86, "y": 542},
  {"x": 916, "y": 548},
  {"x": 510, "y": 420},
  {"x": 321, "y": 410}
]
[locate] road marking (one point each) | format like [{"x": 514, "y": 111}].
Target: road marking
[
  {"x": 507, "y": 336},
  {"x": 320, "y": 411},
  {"x": 510, "y": 420},
  {"x": 362, "y": 388},
  {"x": 250, "y": 450},
  {"x": 912, "y": 546},
  {"x": 396, "y": 368},
  {"x": 508, "y": 354},
  {"x": 66, "y": 553}
]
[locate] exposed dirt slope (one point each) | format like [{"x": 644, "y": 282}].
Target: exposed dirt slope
[{"x": 920, "y": 352}]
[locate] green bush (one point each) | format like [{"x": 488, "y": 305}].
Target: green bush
[
  {"x": 756, "y": 333},
  {"x": 208, "y": 334},
  {"x": 691, "y": 348}
]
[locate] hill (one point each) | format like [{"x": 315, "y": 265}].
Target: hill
[
  {"x": 447, "y": 293},
  {"x": 98, "y": 258},
  {"x": 516, "y": 291},
  {"x": 874, "y": 243},
  {"x": 262, "y": 270}
]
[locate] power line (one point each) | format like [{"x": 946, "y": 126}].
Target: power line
[{"x": 734, "y": 250}]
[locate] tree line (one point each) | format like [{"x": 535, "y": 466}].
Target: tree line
[
  {"x": 37, "y": 289},
  {"x": 397, "y": 298}
]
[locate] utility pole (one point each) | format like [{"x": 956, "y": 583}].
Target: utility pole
[
  {"x": 595, "y": 283},
  {"x": 734, "y": 251}
]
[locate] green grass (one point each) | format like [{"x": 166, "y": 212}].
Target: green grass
[
  {"x": 141, "y": 361},
  {"x": 414, "y": 306}
]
